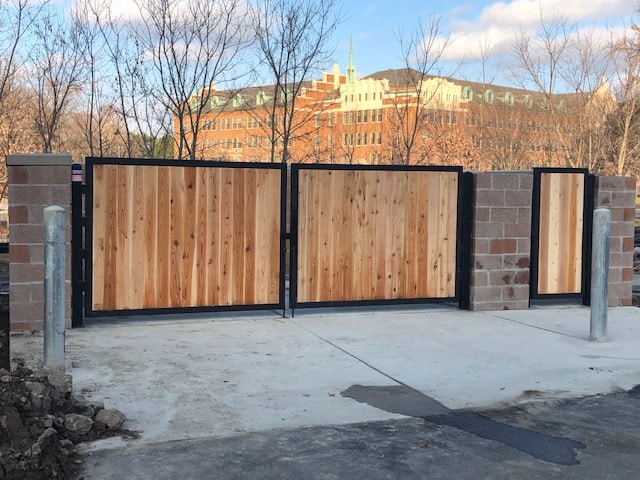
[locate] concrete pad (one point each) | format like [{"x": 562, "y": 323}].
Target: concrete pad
[
  {"x": 479, "y": 360},
  {"x": 179, "y": 379},
  {"x": 191, "y": 380}
]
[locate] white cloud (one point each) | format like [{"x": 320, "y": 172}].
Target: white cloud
[
  {"x": 498, "y": 23},
  {"x": 371, "y": 8}
]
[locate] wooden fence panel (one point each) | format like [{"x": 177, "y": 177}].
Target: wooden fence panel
[
  {"x": 175, "y": 237},
  {"x": 376, "y": 235},
  {"x": 561, "y": 232}
]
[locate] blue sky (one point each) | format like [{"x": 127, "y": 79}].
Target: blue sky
[{"x": 372, "y": 25}]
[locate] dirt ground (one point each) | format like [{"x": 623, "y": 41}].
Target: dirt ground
[{"x": 41, "y": 421}]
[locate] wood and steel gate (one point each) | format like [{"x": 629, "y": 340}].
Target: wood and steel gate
[
  {"x": 375, "y": 234},
  {"x": 163, "y": 236},
  {"x": 166, "y": 235},
  {"x": 561, "y": 233}
]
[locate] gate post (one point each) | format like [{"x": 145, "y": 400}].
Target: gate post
[{"x": 77, "y": 284}]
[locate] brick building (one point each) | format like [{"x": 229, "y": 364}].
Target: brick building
[{"x": 401, "y": 117}]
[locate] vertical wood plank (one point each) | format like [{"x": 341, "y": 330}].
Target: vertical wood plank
[
  {"x": 189, "y": 225},
  {"x": 100, "y": 244},
  {"x": 123, "y": 244},
  {"x": 176, "y": 287},
  {"x": 164, "y": 241},
  {"x": 226, "y": 238},
  {"x": 151, "y": 233},
  {"x": 137, "y": 277}
]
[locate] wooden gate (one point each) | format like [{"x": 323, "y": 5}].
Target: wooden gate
[
  {"x": 561, "y": 233},
  {"x": 363, "y": 235},
  {"x": 164, "y": 235}
]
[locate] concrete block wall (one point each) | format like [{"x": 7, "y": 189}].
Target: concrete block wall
[
  {"x": 618, "y": 194},
  {"x": 501, "y": 245},
  {"x": 501, "y": 236},
  {"x": 35, "y": 182}
]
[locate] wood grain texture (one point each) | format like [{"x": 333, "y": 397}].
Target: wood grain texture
[
  {"x": 175, "y": 237},
  {"x": 560, "y": 233},
  {"x": 376, "y": 235}
]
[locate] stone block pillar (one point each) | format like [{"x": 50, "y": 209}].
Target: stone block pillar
[
  {"x": 35, "y": 182},
  {"x": 501, "y": 243},
  {"x": 619, "y": 195}
]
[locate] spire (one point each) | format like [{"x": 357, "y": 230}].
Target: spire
[{"x": 351, "y": 69}]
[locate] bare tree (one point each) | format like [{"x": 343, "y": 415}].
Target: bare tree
[
  {"x": 17, "y": 18},
  {"x": 96, "y": 121},
  {"x": 420, "y": 89},
  {"x": 293, "y": 37},
  {"x": 623, "y": 130},
  {"x": 58, "y": 71},
  {"x": 187, "y": 48},
  {"x": 567, "y": 67}
]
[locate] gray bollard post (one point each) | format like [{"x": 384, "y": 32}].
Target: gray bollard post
[
  {"x": 600, "y": 274},
  {"x": 54, "y": 291}
]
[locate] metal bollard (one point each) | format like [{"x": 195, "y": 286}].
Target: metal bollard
[
  {"x": 54, "y": 291},
  {"x": 600, "y": 274}
]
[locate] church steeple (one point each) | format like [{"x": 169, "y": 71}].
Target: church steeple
[{"x": 351, "y": 69}]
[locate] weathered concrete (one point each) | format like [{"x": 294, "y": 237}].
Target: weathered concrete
[
  {"x": 600, "y": 274},
  {"x": 194, "y": 378},
  {"x": 54, "y": 286}
]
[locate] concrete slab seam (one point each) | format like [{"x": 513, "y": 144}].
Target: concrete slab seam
[
  {"x": 358, "y": 359},
  {"x": 532, "y": 326}
]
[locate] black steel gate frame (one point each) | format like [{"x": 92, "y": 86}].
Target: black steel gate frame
[
  {"x": 587, "y": 227},
  {"x": 463, "y": 237},
  {"x": 82, "y": 196},
  {"x": 82, "y": 232}
]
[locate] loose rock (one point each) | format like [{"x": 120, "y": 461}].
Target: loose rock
[
  {"x": 40, "y": 423},
  {"x": 78, "y": 424},
  {"x": 112, "y": 419}
]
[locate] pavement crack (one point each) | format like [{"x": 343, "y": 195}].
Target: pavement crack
[
  {"x": 493, "y": 315},
  {"x": 355, "y": 357}
]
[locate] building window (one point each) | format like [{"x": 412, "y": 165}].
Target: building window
[
  {"x": 508, "y": 98},
  {"x": 344, "y": 139},
  {"x": 317, "y": 141},
  {"x": 359, "y": 116},
  {"x": 329, "y": 141},
  {"x": 489, "y": 96},
  {"x": 358, "y": 139},
  {"x": 317, "y": 119},
  {"x": 373, "y": 138},
  {"x": 365, "y": 114},
  {"x": 344, "y": 118},
  {"x": 364, "y": 138},
  {"x": 331, "y": 114},
  {"x": 379, "y": 115},
  {"x": 467, "y": 93},
  {"x": 379, "y": 138},
  {"x": 351, "y": 116}
]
